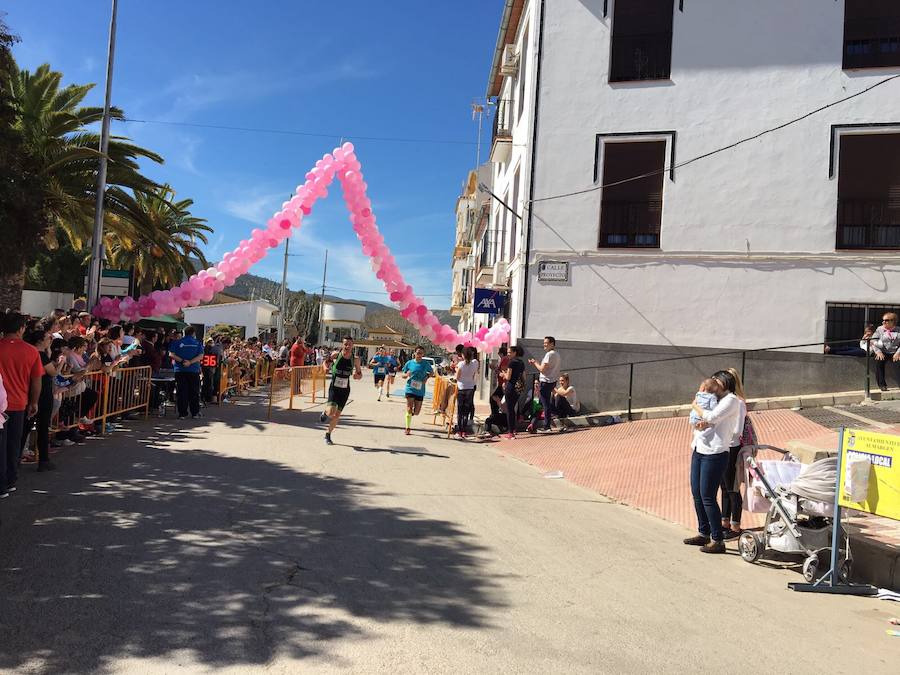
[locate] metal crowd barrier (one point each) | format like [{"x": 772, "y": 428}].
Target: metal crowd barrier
[
  {"x": 290, "y": 382},
  {"x": 104, "y": 396},
  {"x": 443, "y": 403}
]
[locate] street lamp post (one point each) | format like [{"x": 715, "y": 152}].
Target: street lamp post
[{"x": 93, "y": 290}]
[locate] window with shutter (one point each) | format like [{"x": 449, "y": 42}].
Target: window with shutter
[
  {"x": 641, "y": 43},
  {"x": 631, "y": 211}
]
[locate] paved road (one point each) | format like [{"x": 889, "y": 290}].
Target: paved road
[{"x": 240, "y": 546}]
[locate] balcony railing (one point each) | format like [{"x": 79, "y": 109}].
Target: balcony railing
[
  {"x": 641, "y": 57},
  {"x": 630, "y": 224},
  {"x": 502, "y": 121},
  {"x": 867, "y": 223}
]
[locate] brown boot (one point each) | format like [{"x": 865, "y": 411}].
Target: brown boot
[
  {"x": 699, "y": 540},
  {"x": 714, "y": 547}
]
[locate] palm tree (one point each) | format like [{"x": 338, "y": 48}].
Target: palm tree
[
  {"x": 55, "y": 129},
  {"x": 155, "y": 236}
]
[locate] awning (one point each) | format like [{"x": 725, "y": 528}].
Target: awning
[{"x": 162, "y": 321}]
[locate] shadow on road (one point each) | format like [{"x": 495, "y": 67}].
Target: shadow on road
[
  {"x": 418, "y": 452},
  {"x": 134, "y": 549}
]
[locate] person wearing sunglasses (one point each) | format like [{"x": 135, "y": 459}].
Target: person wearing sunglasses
[{"x": 886, "y": 342}]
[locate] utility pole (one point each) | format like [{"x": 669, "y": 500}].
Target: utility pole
[
  {"x": 322, "y": 299},
  {"x": 478, "y": 109},
  {"x": 93, "y": 290},
  {"x": 283, "y": 292}
]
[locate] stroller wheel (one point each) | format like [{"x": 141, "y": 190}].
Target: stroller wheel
[
  {"x": 845, "y": 569},
  {"x": 750, "y": 545},
  {"x": 811, "y": 568}
]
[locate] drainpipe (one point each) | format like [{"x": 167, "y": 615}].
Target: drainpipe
[{"x": 534, "y": 137}]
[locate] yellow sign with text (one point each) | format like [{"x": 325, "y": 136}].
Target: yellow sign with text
[{"x": 870, "y": 473}]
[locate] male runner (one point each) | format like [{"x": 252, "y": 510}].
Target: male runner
[
  {"x": 343, "y": 366},
  {"x": 392, "y": 366},
  {"x": 416, "y": 371},
  {"x": 379, "y": 366}
]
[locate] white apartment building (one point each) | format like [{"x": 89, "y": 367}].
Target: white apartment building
[
  {"x": 787, "y": 239},
  {"x": 472, "y": 208}
]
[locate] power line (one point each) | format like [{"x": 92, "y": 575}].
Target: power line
[
  {"x": 310, "y": 134},
  {"x": 730, "y": 146}
]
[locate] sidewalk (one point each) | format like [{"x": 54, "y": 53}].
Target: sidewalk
[{"x": 646, "y": 464}]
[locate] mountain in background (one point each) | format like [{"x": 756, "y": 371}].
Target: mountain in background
[{"x": 251, "y": 285}]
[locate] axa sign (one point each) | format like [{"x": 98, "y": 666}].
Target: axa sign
[{"x": 488, "y": 301}]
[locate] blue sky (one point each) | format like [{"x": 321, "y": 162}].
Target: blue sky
[{"x": 400, "y": 69}]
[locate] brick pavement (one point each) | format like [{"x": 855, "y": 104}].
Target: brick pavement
[{"x": 645, "y": 464}]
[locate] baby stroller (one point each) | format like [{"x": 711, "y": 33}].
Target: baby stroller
[{"x": 800, "y": 515}]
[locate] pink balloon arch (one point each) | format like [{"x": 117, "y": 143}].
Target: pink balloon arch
[{"x": 202, "y": 286}]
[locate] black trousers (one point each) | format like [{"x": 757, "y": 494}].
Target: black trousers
[
  {"x": 9, "y": 467},
  {"x": 880, "y": 368},
  {"x": 41, "y": 424},
  {"x": 732, "y": 502},
  {"x": 465, "y": 404},
  {"x": 187, "y": 386},
  {"x": 512, "y": 398},
  {"x": 546, "y": 397}
]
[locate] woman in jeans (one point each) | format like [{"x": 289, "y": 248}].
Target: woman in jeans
[
  {"x": 513, "y": 374},
  {"x": 466, "y": 371},
  {"x": 710, "y": 459}
]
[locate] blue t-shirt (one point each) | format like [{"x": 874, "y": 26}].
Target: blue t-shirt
[
  {"x": 185, "y": 349},
  {"x": 418, "y": 374},
  {"x": 381, "y": 363},
  {"x": 392, "y": 364}
]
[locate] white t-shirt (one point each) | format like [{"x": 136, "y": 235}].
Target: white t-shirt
[
  {"x": 550, "y": 374},
  {"x": 572, "y": 397},
  {"x": 465, "y": 374},
  {"x": 726, "y": 421}
]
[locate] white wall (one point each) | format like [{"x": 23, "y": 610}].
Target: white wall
[
  {"x": 41, "y": 303},
  {"x": 737, "y": 68}
]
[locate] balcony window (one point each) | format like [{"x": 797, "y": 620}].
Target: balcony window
[
  {"x": 631, "y": 212},
  {"x": 641, "y": 46},
  {"x": 871, "y": 33},
  {"x": 868, "y": 210}
]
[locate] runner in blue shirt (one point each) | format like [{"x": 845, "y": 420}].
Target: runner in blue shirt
[
  {"x": 416, "y": 371},
  {"x": 392, "y": 366},
  {"x": 379, "y": 364}
]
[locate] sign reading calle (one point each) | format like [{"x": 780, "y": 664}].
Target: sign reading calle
[
  {"x": 488, "y": 301},
  {"x": 553, "y": 270}
]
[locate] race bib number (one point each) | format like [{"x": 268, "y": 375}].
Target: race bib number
[
  {"x": 379, "y": 371},
  {"x": 341, "y": 382},
  {"x": 417, "y": 385}
]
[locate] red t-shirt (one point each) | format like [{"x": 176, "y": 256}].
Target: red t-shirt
[
  {"x": 298, "y": 352},
  {"x": 19, "y": 364}
]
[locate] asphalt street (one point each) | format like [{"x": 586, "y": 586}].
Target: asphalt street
[{"x": 234, "y": 544}]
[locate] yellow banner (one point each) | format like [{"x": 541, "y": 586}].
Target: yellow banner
[{"x": 870, "y": 473}]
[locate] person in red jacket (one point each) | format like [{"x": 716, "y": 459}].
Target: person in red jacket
[
  {"x": 20, "y": 366},
  {"x": 298, "y": 352}
]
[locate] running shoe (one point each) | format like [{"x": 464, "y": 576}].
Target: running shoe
[
  {"x": 408, "y": 432},
  {"x": 328, "y": 440},
  {"x": 322, "y": 418},
  {"x": 510, "y": 437}
]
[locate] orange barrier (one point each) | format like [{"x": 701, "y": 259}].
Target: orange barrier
[
  {"x": 103, "y": 396},
  {"x": 443, "y": 403},
  {"x": 290, "y": 383}
]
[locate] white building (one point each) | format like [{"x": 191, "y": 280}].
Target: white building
[
  {"x": 254, "y": 316},
  {"x": 788, "y": 239},
  {"x": 340, "y": 319},
  {"x": 472, "y": 209}
]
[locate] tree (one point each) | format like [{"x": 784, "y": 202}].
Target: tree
[
  {"x": 303, "y": 312},
  {"x": 50, "y": 165},
  {"x": 391, "y": 318},
  {"x": 22, "y": 216},
  {"x": 156, "y": 236}
]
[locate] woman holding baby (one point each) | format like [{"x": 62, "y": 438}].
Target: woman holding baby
[{"x": 718, "y": 421}]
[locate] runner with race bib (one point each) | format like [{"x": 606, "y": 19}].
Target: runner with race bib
[
  {"x": 379, "y": 365},
  {"x": 344, "y": 366},
  {"x": 416, "y": 371}
]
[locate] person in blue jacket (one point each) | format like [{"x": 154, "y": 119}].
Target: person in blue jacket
[{"x": 187, "y": 353}]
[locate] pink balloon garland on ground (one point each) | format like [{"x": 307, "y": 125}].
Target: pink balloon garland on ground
[{"x": 202, "y": 286}]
